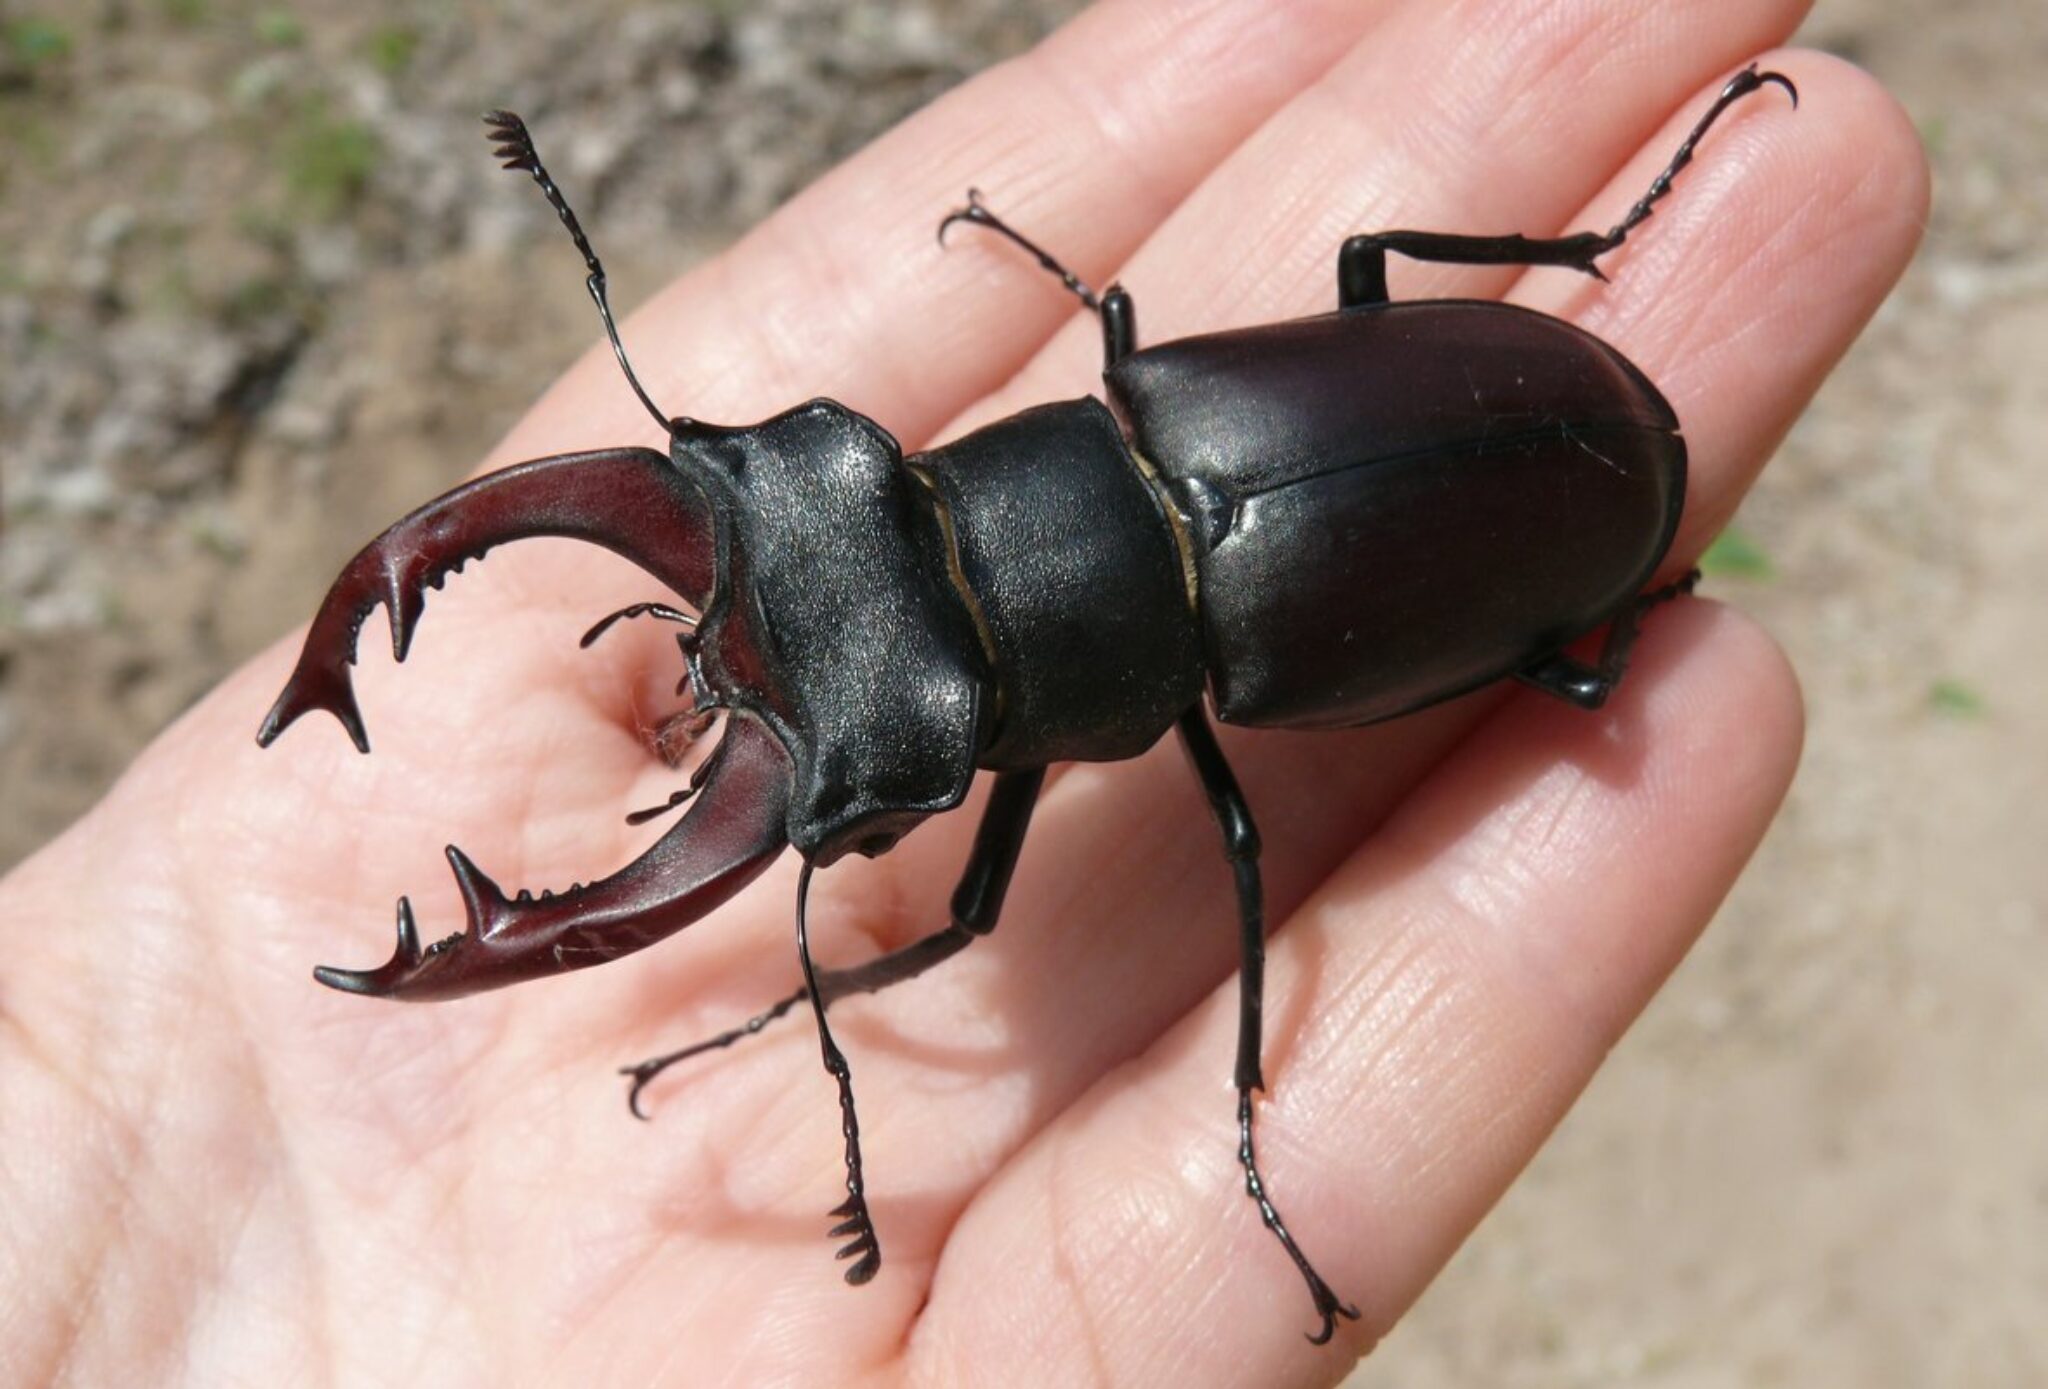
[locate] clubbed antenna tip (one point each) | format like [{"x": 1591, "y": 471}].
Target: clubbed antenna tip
[
  {"x": 515, "y": 145},
  {"x": 514, "y": 148}
]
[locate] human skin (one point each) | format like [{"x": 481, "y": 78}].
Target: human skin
[{"x": 214, "y": 1172}]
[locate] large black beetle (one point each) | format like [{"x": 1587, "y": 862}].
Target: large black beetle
[{"x": 1323, "y": 523}]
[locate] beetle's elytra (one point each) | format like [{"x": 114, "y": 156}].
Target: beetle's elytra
[{"x": 1320, "y": 523}]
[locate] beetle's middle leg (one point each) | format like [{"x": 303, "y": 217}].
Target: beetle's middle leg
[
  {"x": 1241, "y": 847},
  {"x": 1362, "y": 263},
  {"x": 1113, "y": 306},
  {"x": 977, "y": 903},
  {"x": 1589, "y": 686}
]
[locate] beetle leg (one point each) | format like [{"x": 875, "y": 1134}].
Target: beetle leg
[
  {"x": 976, "y": 212},
  {"x": 1119, "y": 326},
  {"x": 1113, "y": 306},
  {"x": 1241, "y": 847},
  {"x": 1589, "y": 686},
  {"x": 977, "y": 902},
  {"x": 633, "y": 610},
  {"x": 1362, "y": 263}
]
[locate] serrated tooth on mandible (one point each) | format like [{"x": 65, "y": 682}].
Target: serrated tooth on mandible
[
  {"x": 483, "y": 900},
  {"x": 408, "y": 933}
]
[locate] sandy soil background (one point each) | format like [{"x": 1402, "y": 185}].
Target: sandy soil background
[{"x": 257, "y": 297}]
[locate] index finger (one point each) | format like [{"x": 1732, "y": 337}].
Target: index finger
[{"x": 1092, "y": 138}]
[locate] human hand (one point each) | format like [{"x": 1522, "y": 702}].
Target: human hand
[{"x": 215, "y": 1171}]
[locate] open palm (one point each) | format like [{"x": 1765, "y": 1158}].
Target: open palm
[{"x": 213, "y": 1171}]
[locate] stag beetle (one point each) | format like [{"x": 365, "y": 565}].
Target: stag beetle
[{"x": 1322, "y": 523}]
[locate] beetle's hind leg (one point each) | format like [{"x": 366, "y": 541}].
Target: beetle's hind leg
[
  {"x": 1241, "y": 847},
  {"x": 1113, "y": 306},
  {"x": 1362, "y": 263},
  {"x": 1589, "y": 686}
]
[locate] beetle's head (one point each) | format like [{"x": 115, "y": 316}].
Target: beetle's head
[{"x": 850, "y": 695}]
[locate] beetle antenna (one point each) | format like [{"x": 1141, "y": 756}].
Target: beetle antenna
[
  {"x": 1739, "y": 86},
  {"x": 515, "y": 148}
]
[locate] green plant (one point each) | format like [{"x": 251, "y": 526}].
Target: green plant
[
  {"x": 327, "y": 160},
  {"x": 1955, "y": 699},
  {"x": 280, "y": 28},
  {"x": 32, "y": 41},
  {"x": 1734, "y": 555},
  {"x": 390, "y": 48}
]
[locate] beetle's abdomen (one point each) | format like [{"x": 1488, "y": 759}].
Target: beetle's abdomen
[
  {"x": 1066, "y": 560},
  {"x": 1395, "y": 505}
]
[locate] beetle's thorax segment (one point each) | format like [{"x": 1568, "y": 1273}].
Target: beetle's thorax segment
[
  {"x": 833, "y": 621},
  {"x": 1068, "y": 560}
]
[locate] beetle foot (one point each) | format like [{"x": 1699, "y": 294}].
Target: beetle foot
[
  {"x": 721, "y": 845},
  {"x": 1678, "y": 588},
  {"x": 644, "y": 1072},
  {"x": 976, "y": 213},
  {"x": 1329, "y": 1307}
]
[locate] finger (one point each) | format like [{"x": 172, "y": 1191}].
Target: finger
[
  {"x": 1091, "y": 138},
  {"x": 1108, "y": 942},
  {"x": 1432, "y": 1010},
  {"x": 1789, "y": 236},
  {"x": 1483, "y": 116},
  {"x": 1537, "y": 134},
  {"x": 1804, "y": 219},
  {"x": 1851, "y": 205},
  {"x": 1094, "y": 134},
  {"x": 1525, "y": 133}
]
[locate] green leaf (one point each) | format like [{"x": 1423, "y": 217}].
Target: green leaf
[
  {"x": 1955, "y": 700},
  {"x": 328, "y": 161},
  {"x": 1734, "y": 555},
  {"x": 390, "y": 48},
  {"x": 31, "y": 41},
  {"x": 280, "y": 28}
]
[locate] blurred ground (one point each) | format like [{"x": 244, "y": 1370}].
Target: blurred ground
[{"x": 259, "y": 292}]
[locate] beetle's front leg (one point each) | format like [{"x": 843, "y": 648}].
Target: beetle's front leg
[
  {"x": 976, "y": 906},
  {"x": 977, "y": 903},
  {"x": 853, "y": 1211},
  {"x": 1241, "y": 847}
]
